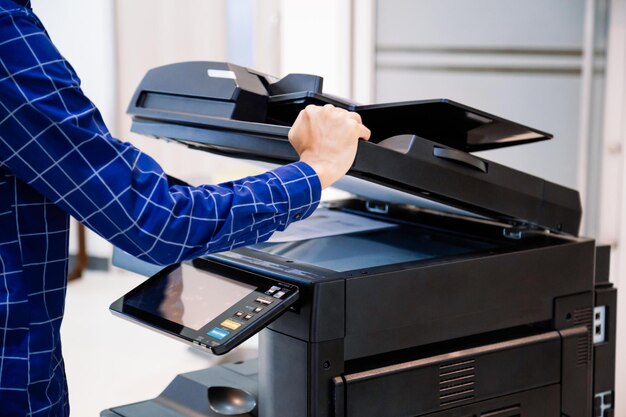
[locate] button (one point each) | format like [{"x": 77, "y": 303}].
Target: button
[
  {"x": 239, "y": 314},
  {"x": 218, "y": 333},
  {"x": 230, "y": 324},
  {"x": 263, "y": 301},
  {"x": 279, "y": 294},
  {"x": 248, "y": 316},
  {"x": 272, "y": 290},
  {"x": 258, "y": 310},
  {"x": 297, "y": 216}
]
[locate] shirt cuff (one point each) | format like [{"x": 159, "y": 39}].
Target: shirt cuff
[{"x": 303, "y": 189}]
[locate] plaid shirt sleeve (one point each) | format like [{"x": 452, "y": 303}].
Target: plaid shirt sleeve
[{"x": 53, "y": 138}]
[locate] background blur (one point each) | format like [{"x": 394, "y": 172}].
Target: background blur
[{"x": 559, "y": 66}]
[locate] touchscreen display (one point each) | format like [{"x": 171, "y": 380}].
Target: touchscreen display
[
  {"x": 189, "y": 296},
  {"x": 371, "y": 249}
]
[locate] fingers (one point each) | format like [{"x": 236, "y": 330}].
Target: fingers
[
  {"x": 363, "y": 132},
  {"x": 297, "y": 124},
  {"x": 338, "y": 110},
  {"x": 354, "y": 115}
]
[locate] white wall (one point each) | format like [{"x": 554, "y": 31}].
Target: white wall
[{"x": 315, "y": 39}]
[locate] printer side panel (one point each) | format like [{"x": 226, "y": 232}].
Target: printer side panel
[
  {"x": 604, "y": 337},
  {"x": 604, "y": 353}
]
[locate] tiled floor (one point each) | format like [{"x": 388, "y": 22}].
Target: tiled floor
[{"x": 112, "y": 362}]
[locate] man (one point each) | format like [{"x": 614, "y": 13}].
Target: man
[{"x": 57, "y": 159}]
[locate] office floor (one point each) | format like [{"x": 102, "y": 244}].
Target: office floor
[{"x": 112, "y": 362}]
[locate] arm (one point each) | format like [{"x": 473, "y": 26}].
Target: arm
[{"x": 53, "y": 138}]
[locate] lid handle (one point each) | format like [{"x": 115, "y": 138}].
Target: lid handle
[{"x": 460, "y": 157}]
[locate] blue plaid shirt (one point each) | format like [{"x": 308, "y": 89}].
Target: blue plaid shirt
[{"x": 57, "y": 159}]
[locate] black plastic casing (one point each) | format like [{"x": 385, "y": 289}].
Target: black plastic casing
[{"x": 345, "y": 323}]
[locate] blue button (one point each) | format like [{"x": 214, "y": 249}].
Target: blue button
[{"x": 218, "y": 333}]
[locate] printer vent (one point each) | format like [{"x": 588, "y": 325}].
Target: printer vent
[
  {"x": 456, "y": 382},
  {"x": 583, "y": 317}
]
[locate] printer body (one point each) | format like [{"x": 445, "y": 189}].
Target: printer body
[{"x": 480, "y": 299}]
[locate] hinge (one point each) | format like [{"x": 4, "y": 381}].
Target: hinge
[{"x": 377, "y": 207}]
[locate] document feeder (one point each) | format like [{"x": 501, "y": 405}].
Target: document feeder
[{"x": 480, "y": 299}]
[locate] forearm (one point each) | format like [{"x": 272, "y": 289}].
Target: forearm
[
  {"x": 177, "y": 223},
  {"x": 123, "y": 195}
]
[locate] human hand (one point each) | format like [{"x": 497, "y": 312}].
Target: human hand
[{"x": 326, "y": 138}]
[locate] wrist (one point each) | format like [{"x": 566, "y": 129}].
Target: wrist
[{"x": 321, "y": 169}]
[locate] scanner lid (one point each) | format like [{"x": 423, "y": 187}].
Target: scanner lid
[{"x": 420, "y": 149}]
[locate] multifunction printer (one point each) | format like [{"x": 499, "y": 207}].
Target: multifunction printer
[{"x": 447, "y": 286}]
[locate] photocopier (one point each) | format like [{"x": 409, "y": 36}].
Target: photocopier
[{"x": 476, "y": 299}]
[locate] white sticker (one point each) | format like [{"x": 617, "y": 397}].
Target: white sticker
[{"x": 221, "y": 74}]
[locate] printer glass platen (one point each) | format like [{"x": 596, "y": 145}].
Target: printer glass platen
[
  {"x": 372, "y": 249},
  {"x": 412, "y": 235}
]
